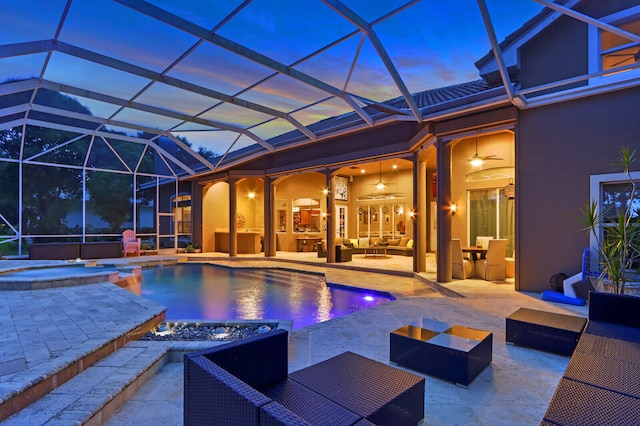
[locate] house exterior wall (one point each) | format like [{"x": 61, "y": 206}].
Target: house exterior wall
[
  {"x": 559, "y": 52},
  {"x": 558, "y": 147}
]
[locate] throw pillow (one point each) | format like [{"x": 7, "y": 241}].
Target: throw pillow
[
  {"x": 409, "y": 243},
  {"x": 394, "y": 242},
  {"x": 375, "y": 240},
  {"x": 404, "y": 241}
]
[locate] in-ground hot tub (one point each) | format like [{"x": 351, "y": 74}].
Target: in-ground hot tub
[{"x": 39, "y": 277}]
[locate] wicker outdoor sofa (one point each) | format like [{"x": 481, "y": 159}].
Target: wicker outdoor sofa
[
  {"x": 601, "y": 384},
  {"x": 246, "y": 383}
]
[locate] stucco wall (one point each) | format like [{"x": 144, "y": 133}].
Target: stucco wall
[{"x": 558, "y": 148}]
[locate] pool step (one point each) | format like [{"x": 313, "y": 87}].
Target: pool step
[
  {"x": 276, "y": 276},
  {"x": 92, "y": 396}
]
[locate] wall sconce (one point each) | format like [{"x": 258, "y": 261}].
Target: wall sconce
[
  {"x": 454, "y": 208},
  {"x": 251, "y": 195},
  {"x": 325, "y": 191},
  {"x": 412, "y": 214},
  {"x": 324, "y": 215}
]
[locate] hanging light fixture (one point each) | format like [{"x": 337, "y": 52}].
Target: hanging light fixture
[
  {"x": 380, "y": 184},
  {"x": 476, "y": 160},
  {"x": 510, "y": 189}
]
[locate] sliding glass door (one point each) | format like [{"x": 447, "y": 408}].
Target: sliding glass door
[{"x": 491, "y": 214}]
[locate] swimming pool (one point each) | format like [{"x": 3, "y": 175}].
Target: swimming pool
[{"x": 210, "y": 292}]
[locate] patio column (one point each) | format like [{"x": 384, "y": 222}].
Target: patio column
[
  {"x": 196, "y": 213},
  {"x": 331, "y": 219},
  {"x": 420, "y": 214},
  {"x": 269, "y": 235},
  {"x": 443, "y": 202},
  {"x": 233, "y": 211}
]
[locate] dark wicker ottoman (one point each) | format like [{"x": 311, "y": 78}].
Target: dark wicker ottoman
[
  {"x": 382, "y": 394},
  {"x": 545, "y": 331},
  {"x": 450, "y": 352}
]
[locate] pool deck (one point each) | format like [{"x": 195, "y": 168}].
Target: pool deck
[{"x": 46, "y": 333}]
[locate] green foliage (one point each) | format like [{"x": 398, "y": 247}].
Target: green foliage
[{"x": 618, "y": 243}]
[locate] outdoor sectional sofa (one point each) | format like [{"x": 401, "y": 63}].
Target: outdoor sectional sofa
[
  {"x": 246, "y": 383},
  {"x": 65, "y": 251},
  {"x": 400, "y": 246},
  {"x": 601, "y": 382}
]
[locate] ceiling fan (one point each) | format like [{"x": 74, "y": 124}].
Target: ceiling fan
[
  {"x": 628, "y": 56},
  {"x": 477, "y": 159}
]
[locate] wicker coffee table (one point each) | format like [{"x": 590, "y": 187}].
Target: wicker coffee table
[{"x": 450, "y": 352}]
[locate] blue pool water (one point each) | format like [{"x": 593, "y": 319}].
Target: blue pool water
[{"x": 209, "y": 292}]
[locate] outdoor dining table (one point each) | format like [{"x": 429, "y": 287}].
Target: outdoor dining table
[{"x": 475, "y": 252}]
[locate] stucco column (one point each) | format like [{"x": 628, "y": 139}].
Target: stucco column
[
  {"x": 420, "y": 214},
  {"x": 233, "y": 211},
  {"x": 196, "y": 212},
  {"x": 443, "y": 202},
  {"x": 269, "y": 236},
  {"x": 331, "y": 219}
]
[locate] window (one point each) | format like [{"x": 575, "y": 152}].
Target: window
[
  {"x": 182, "y": 211},
  {"x": 613, "y": 50},
  {"x": 612, "y": 192},
  {"x": 617, "y": 51}
]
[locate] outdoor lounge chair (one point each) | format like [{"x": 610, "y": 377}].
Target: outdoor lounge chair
[
  {"x": 130, "y": 244},
  {"x": 245, "y": 382}
]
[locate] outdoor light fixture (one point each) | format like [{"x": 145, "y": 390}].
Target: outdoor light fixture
[
  {"x": 325, "y": 191},
  {"x": 476, "y": 161},
  {"x": 251, "y": 195},
  {"x": 510, "y": 191},
  {"x": 380, "y": 184},
  {"x": 454, "y": 208}
]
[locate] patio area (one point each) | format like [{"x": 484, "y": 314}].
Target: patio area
[{"x": 515, "y": 389}]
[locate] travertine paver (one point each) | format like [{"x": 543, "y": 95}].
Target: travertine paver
[
  {"x": 43, "y": 331},
  {"x": 515, "y": 389}
]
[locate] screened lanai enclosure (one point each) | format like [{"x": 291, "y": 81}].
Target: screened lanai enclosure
[
  {"x": 106, "y": 106},
  {"x": 64, "y": 186}
]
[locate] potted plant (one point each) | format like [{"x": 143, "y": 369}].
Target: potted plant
[
  {"x": 196, "y": 248},
  {"x": 618, "y": 242},
  {"x": 190, "y": 248}
]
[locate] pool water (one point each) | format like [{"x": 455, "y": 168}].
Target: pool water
[{"x": 209, "y": 292}]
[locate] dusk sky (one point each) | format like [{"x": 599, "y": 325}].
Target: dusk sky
[{"x": 431, "y": 43}]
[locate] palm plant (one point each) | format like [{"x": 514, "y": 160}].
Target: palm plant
[{"x": 618, "y": 246}]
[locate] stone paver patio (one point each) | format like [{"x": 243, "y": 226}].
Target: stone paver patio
[{"x": 43, "y": 330}]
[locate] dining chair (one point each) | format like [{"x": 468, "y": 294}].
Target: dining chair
[
  {"x": 461, "y": 268},
  {"x": 483, "y": 241},
  {"x": 511, "y": 265},
  {"x": 493, "y": 267},
  {"x": 130, "y": 244}
]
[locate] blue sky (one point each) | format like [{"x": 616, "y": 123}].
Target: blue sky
[{"x": 431, "y": 43}]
